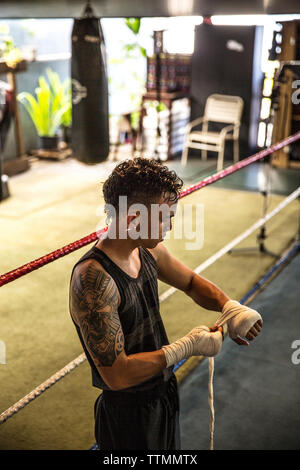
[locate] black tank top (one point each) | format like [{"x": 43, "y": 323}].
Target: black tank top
[{"x": 138, "y": 311}]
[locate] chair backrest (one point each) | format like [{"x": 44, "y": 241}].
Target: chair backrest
[{"x": 224, "y": 108}]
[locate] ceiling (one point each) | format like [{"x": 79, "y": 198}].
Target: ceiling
[{"x": 144, "y": 8}]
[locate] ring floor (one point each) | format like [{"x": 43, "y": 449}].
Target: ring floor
[{"x": 256, "y": 387}]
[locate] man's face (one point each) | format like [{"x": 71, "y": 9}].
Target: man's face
[{"x": 160, "y": 215}]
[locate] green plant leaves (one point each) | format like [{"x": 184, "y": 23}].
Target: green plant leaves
[
  {"x": 62, "y": 93},
  {"x": 52, "y": 106},
  {"x": 32, "y": 107},
  {"x": 143, "y": 51},
  {"x": 133, "y": 24}
]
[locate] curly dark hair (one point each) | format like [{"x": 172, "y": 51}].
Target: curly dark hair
[{"x": 142, "y": 180}]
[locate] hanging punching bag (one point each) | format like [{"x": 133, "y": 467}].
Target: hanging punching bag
[{"x": 90, "y": 128}]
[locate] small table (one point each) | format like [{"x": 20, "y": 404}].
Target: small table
[{"x": 166, "y": 98}]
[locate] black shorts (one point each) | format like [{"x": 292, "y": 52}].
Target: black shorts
[{"x": 138, "y": 421}]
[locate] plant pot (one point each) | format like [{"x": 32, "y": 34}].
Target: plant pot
[
  {"x": 67, "y": 134},
  {"x": 49, "y": 143}
]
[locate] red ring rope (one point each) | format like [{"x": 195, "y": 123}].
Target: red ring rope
[
  {"x": 238, "y": 166},
  {"x": 65, "y": 250}
]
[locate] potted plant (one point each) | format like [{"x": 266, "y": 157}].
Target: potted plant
[
  {"x": 46, "y": 111},
  {"x": 63, "y": 90}
]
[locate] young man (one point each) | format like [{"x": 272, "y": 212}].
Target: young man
[{"x": 115, "y": 308}]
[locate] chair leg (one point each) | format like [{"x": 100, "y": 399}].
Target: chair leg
[
  {"x": 204, "y": 154},
  {"x": 184, "y": 155},
  {"x": 220, "y": 163},
  {"x": 236, "y": 151}
]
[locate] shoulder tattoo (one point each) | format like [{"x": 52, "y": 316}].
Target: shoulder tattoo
[{"x": 94, "y": 303}]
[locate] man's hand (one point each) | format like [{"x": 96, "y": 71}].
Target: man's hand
[
  {"x": 196, "y": 343},
  {"x": 251, "y": 335},
  {"x": 243, "y": 322},
  {"x": 217, "y": 328}
]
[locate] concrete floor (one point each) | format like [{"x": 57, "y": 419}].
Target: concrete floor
[
  {"x": 281, "y": 181},
  {"x": 251, "y": 178}
]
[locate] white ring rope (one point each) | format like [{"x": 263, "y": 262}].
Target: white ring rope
[
  {"x": 41, "y": 388},
  {"x": 5, "y": 415},
  {"x": 208, "y": 263},
  {"x": 211, "y": 366},
  {"x": 237, "y": 240}
]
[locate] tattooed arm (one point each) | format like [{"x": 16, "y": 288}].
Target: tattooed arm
[{"x": 94, "y": 300}]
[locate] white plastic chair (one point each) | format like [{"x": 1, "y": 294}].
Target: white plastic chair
[{"x": 218, "y": 108}]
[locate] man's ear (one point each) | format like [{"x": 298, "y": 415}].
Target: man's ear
[{"x": 132, "y": 220}]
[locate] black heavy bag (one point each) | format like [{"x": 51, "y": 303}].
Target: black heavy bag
[{"x": 90, "y": 129}]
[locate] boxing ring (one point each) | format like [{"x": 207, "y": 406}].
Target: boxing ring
[
  {"x": 256, "y": 389},
  {"x": 65, "y": 250}
]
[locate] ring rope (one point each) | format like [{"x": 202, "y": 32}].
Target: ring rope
[
  {"x": 242, "y": 164},
  {"x": 253, "y": 290},
  {"x": 41, "y": 388},
  {"x": 238, "y": 239},
  {"x": 77, "y": 361},
  {"x": 267, "y": 276},
  {"x": 65, "y": 250},
  {"x": 12, "y": 275},
  {"x": 211, "y": 367},
  {"x": 244, "y": 300}
]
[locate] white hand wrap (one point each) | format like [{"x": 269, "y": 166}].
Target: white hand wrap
[
  {"x": 198, "y": 342},
  {"x": 240, "y": 319}
]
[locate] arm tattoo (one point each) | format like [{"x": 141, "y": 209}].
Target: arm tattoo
[{"x": 94, "y": 303}]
